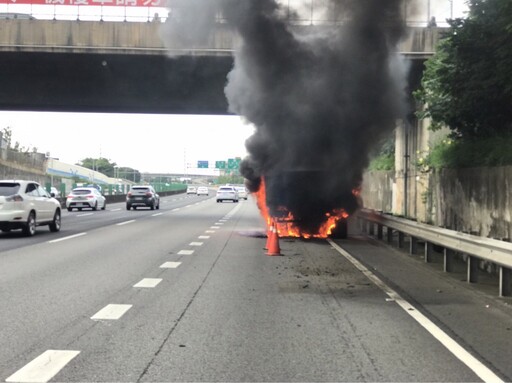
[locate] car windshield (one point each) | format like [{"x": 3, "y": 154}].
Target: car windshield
[
  {"x": 8, "y": 189},
  {"x": 82, "y": 191}
]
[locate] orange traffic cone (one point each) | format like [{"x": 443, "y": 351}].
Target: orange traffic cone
[
  {"x": 269, "y": 235},
  {"x": 273, "y": 245}
]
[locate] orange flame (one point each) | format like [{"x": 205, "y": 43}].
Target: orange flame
[{"x": 286, "y": 225}]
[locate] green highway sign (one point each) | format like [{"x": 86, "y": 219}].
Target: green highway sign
[
  {"x": 202, "y": 164},
  {"x": 234, "y": 163},
  {"x": 220, "y": 164}
]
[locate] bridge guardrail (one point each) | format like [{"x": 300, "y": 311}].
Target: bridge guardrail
[{"x": 477, "y": 248}]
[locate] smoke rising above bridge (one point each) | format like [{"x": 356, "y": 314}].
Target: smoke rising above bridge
[{"x": 320, "y": 102}]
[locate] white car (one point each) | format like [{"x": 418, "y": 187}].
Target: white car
[
  {"x": 191, "y": 190},
  {"x": 25, "y": 205},
  {"x": 203, "y": 190},
  {"x": 228, "y": 193},
  {"x": 81, "y": 198},
  {"x": 242, "y": 192}
]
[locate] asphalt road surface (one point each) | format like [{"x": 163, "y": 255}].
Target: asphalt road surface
[{"x": 186, "y": 293}]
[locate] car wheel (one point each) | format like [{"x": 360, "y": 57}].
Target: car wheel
[
  {"x": 104, "y": 206},
  {"x": 55, "y": 224},
  {"x": 152, "y": 206},
  {"x": 30, "y": 227},
  {"x": 95, "y": 207},
  {"x": 158, "y": 206},
  {"x": 70, "y": 209},
  {"x": 128, "y": 207}
]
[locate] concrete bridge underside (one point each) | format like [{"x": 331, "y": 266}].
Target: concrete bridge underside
[{"x": 125, "y": 67}]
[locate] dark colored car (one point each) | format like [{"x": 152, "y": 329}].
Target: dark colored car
[{"x": 142, "y": 196}]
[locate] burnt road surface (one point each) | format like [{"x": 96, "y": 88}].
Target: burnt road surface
[{"x": 186, "y": 293}]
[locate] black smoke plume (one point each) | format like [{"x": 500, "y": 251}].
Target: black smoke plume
[{"x": 321, "y": 97}]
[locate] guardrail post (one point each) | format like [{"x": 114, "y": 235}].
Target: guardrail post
[
  {"x": 372, "y": 228},
  {"x": 505, "y": 288},
  {"x": 472, "y": 269},
  {"x": 389, "y": 234},
  {"x": 400, "y": 240},
  {"x": 448, "y": 260},
  {"x": 379, "y": 231},
  {"x": 429, "y": 248},
  {"x": 413, "y": 246}
]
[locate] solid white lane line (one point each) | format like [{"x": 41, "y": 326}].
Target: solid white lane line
[
  {"x": 204, "y": 237},
  {"x": 125, "y": 222},
  {"x": 148, "y": 282},
  {"x": 84, "y": 215},
  {"x": 111, "y": 312},
  {"x": 185, "y": 252},
  {"x": 170, "y": 265},
  {"x": 44, "y": 367},
  {"x": 157, "y": 214},
  {"x": 457, "y": 350},
  {"x": 66, "y": 238},
  {"x": 196, "y": 244}
]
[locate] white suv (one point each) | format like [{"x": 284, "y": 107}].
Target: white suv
[
  {"x": 227, "y": 193},
  {"x": 25, "y": 205}
]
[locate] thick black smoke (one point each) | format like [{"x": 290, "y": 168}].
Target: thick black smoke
[{"x": 320, "y": 98}]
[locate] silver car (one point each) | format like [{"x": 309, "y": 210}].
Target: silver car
[
  {"x": 25, "y": 205},
  {"x": 227, "y": 193},
  {"x": 89, "y": 197}
]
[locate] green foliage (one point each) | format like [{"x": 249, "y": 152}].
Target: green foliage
[
  {"x": 467, "y": 85},
  {"x": 383, "y": 162},
  {"x": 101, "y": 165},
  {"x": 485, "y": 152},
  {"x": 385, "y": 158}
]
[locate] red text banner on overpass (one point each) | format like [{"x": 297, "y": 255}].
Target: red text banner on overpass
[{"x": 110, "y": 3}]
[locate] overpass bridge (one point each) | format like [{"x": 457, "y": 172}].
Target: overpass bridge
[{"x": 101, "y": 66}]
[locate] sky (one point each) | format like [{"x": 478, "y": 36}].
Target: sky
[{"x": 148, "y": 143}]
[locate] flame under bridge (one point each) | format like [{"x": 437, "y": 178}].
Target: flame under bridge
[{"x": 101, "y": 66}]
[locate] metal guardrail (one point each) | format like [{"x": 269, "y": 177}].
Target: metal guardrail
[{"x": 477, "y": 248}]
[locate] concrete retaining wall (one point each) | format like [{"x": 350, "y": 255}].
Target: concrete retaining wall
[{"x": 477, "y": 200}]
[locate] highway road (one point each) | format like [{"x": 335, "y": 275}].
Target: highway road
[{"x": 186, "y": 293}]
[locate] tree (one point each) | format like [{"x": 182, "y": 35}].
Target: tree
[
  {"x": 101, "y": 165},
  {"x": 129, "y": 174},
  {"x": 467, "y": 84}
]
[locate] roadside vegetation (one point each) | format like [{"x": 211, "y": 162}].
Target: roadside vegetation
[{"x": 467, "y": 87}]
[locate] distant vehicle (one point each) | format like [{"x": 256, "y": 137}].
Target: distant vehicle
[
  {"x": 85, "y": 197},
  {"x": 191, "y": 190},
  {"x": 142, "y": 196},
  {"x": 242, "y": 192},
  {"x": 228, "y": 193},
  {"x": 25, "y": 205},
  {"x": 203, "y": 190}
]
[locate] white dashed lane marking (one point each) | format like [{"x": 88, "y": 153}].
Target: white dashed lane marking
[
  {"x": 204, "y": 237},
  {"x": 185, "y": 252},
  {"x": 66, "y": 238},
  {"x": 111, "y": 312},
  {"x": 176, "y": 209},
  {"x": 125, "y": 222},
  {"x": 157, "y": 214},
  {"x": 44, "y": 367},
  {"x": 196, "y": 244},
  {"x": 148, "y": 283},
  {"x": 84, "y": 215},
  {"x": 214, "y": 227},
  {"x": 170, "y": 265}
]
